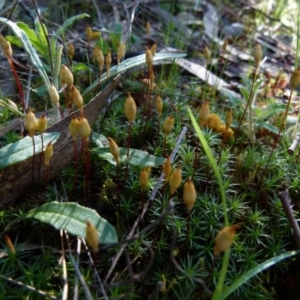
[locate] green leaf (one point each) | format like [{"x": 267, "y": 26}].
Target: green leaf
[
  {"x": 268, "y": 126},
  {"x": 247, "y": 82},
  {"x": 72, "y": 217},
  {"x": 34, "y": 58},
  {"x": 100, "y": 140},
  {"x": 23, "y": 149},
  {"x": 81, "y": 67},
  {"x": 128, "y": 64},
  {"x": 69, "y": 22},
  {"x": 244, "y": 92},
  {"x": 31, "y": 35},
  {"x": 136, "y": 157},
  {"x": 41, "y": 37},
  {"x": 257, "y": 85},
  {"x": 116, "y": 35},
  {"x": 272, "y": 110},
  {"x": 253, "y": 272}
]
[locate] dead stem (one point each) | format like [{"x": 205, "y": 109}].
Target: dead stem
[{"x": 284, "y": 198}]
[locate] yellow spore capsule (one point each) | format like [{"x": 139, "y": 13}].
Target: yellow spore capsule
[
  {"x": 66, "y": 76},
  {"x": 121, "y": 52},
  {"x": 114, "y": 150},
  {"x": 228, "y": 119},
  {"x": 158, "y": 105},
  {"x": 189, "y": 194},
  {"x": 144, "y": 179},
  {"x": 12, "y": 104},
  {"x": 95, "y": 35},
  {"x": 30, "y": 122},
  {"x": 88, "y": 32},
  {"x": 153, "y": 49},
  {"x": 149, "y": 58},
  {"x": 148, "y": 170},
  {"x": 214, "y": 122},
  {"x": 54, "y": 96},
  {"x": 92, "y": 236},
  {"x": 227, "y": 132},
  {"x": 203, "y": 113},
  {"x": 74, "y": 127},
  {"x": 175, "y": 180},
  {"x": 6, "y": 47},
  {"x": 257, "y": 55},
  {"x": 77, "y": 99},
  {"x": 224, "y": 239},
  {"x": 94, "y": 54},
  {"x": 130, "y": 108},
  {"x": 148, "y": 27},
  {"x": 207, "y": 54},
  {"x": 168, "y": 125},
  {"x": 71, "y": 50},
  {"x": 48, "y": 153},
  {"x": 295, "y": 79},
  {"x": 41, "y": 124},
  {"x": 84, "y": 128},
  {"x": 99, "y": 57},
  {"x": 167, "y": 168}
]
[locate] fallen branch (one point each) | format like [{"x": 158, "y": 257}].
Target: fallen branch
[{"x": 16, "y": 180}]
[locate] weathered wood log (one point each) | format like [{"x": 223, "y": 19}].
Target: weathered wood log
[{"x": 16, "y": 180}]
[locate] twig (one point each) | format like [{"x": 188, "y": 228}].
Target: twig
[
  {"x": 151, "y": 198},
  {"x": 27, "y": 96},
  {"x": 139, "y": 276},
  {"x": 64, "y": 266},
  {"x": 284, "y": 198},
  {"x": 131, "y": 237},
  {"x": 78, "y": 250},
  {"x": 98, "y": 14},
  {"x": 95, "y": 270},
  {"x": 294, "y": 145},
  {"x": 87, "y": 292},
  {"x": 142, "y": 232},
  {"x": 29, "y": 287}
]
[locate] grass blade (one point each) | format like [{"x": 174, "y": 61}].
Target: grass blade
[
  {"x": 253, "y": 272},
  {"x": 213, "y": 163}
]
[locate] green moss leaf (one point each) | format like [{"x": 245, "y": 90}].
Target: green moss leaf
[
  {"x": 23, "y": 149},
  {"x": 72, "y": 217}
]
